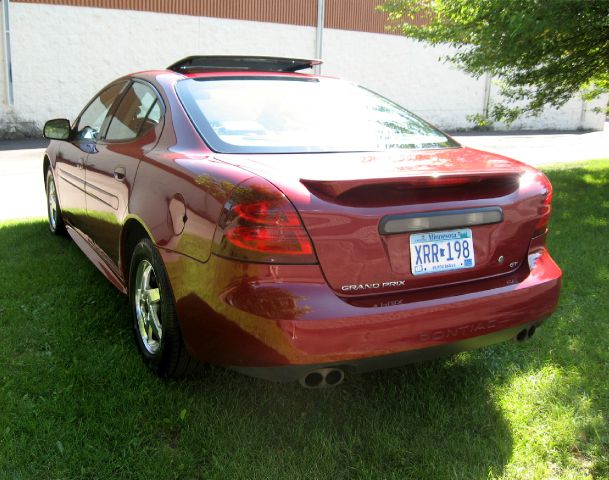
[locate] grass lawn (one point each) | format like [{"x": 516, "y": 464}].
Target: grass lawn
[{"x": 77, "y": 402}]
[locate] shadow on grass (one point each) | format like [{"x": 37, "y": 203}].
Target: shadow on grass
[{"x": 78, "y": 403}]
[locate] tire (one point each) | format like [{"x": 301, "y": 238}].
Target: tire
[
  {"x": 54, "y": 216},
  {"x": 155, "y": 324}
]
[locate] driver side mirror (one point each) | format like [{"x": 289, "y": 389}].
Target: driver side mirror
[{"x": 57, "y": 129}]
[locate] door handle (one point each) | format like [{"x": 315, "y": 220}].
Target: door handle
[
  {"x": 81, "y": 163},
  {"x": 119, "y": 173}
]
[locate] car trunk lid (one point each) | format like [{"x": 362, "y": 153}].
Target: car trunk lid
[{"x": 365, "y": 213}]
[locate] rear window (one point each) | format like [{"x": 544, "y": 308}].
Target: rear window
[{"x": 285, "y": 115}]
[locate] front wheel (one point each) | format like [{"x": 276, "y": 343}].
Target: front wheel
[
  {"x": 56, "y": 224},
  {"x": 155, "y": 324}
]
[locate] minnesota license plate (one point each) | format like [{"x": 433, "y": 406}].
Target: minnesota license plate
[{"x": 434, "y": 252}]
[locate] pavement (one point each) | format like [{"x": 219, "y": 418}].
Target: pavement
[
  {"x": 541, "y": 147},
  {"x": 22, "y": 186}
]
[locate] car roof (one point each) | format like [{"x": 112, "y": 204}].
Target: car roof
[{"x": 151, "y": 75}]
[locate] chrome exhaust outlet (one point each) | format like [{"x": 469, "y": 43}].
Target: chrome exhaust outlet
[
  {"x": 531, "y": 331},
  {"x": 525, "y": 333},
  {"x": 522, "y": 335},
  {"x": 323, "y": 378}
]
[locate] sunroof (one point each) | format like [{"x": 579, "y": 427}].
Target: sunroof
[{"x": 203, "y": 63}]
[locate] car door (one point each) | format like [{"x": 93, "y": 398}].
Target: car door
[
  {"x": 71, "y": 155},
  {"x": 132, "y": 130}
]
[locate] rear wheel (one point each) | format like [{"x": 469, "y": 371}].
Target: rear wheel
[
  {"x": 155, "y": 323},
  {"x": 56, "y": 224}
]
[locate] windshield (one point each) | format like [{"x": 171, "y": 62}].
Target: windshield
[{"x": 286, "y": 115}]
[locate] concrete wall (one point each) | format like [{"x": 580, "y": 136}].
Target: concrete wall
[
  {"x": 63, "y": 55},
  {"x": 407, "y": 72}
]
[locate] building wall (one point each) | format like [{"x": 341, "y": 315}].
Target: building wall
[
  {"x": 63, "y": 54},
  {"x": 405, "y": 71}
]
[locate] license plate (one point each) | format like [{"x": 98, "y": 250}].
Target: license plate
[{"x": 435, "y": 252}]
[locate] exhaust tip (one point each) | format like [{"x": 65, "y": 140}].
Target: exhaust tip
[
  {"x": 525, "y": 333},
  {"x": 313, "y": 380},
  {"x": 323, "y": 377},
  {"x": 334, "y": 377},
  {"x": 531, "y": 331}
]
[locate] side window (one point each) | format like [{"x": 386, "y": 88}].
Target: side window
[
  {"x": 138, "y": 112},
  {"x": 91, "y": 120}
]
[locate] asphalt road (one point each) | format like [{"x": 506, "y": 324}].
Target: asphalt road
[
  {"x": 22, "y": 186},
  {"x": 542, "y": 148},
  {"x": 21, "y": 183}
]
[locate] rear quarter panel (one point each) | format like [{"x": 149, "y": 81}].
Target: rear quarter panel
[{"x": 179, "y": 200}]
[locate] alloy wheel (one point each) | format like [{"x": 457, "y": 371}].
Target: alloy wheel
[
  {"x": 148, "y": 307},
  {"x": 52, "y": 203}
]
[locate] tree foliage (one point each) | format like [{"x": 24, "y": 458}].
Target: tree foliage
[{"x": 543, "y": 51}]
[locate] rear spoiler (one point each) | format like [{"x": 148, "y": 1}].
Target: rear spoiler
[
  {"x": 206, "y": 63},
  {"x": 336, "y": 188}
]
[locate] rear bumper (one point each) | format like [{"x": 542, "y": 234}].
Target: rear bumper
[
  {"x": 288, "y": 373},
  {"x": 282, "y": 321}
]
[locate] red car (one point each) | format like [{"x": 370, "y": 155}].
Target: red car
[{"x": 296, "y": 227}]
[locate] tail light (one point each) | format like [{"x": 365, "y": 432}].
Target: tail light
[
  {"x": 259, "y": 224},
  {"x": 545, "y": 209}
]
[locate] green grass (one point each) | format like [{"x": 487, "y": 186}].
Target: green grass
[{"x": 76, "y": 402}]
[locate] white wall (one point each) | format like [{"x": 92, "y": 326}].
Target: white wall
[
  {"x": 407, "y": 72},
  {"x": 63, "y": 55},
  {"x": 414, "y": 75},
  {"x": 573, "y": 115}
]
